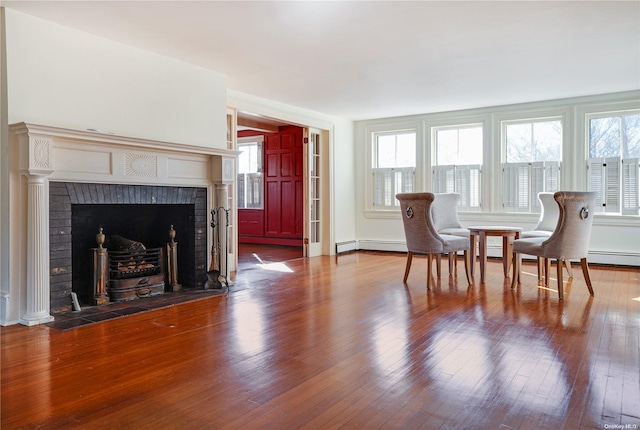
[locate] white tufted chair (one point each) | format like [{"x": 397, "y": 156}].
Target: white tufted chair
[
  {"x": 446, "y": 221},
  {"x": 570, "y": 239},
  {"x": 421, "y": 235},
  {"x": 546, "y": 224}
]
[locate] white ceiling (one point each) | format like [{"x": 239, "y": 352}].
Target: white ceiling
[{"x": 369, "y": 59}]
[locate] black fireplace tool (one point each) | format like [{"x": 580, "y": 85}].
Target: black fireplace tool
[{"x": 215, "y": 279}]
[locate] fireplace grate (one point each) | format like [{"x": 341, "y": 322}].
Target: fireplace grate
[{"x": 128, "y": 264}]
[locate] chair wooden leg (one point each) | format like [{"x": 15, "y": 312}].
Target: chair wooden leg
[
  {"x": 539, "y": 264},
  {"x": 429, "y": 268},
  {"x": 547, "y": 271},
  {"x": 515, "y": 278},
  {"x": 569, "y": 271},
  {"x": 408, "y": 266},
  {"x": 452, "y": 257},
  {"x": 587, "y": 278},
  {"x": 467, "y": 268},
  {"x": 438, "y": 261},
  {"x": 560, "y": 283}
]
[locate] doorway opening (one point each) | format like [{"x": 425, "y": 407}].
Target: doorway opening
[{"x": 269, "y": 192}]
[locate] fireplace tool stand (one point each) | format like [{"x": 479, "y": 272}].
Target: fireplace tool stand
[{"x": 218, "y": 270}]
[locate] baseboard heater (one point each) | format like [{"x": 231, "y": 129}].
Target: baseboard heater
[{"x": 348, "y": 246}]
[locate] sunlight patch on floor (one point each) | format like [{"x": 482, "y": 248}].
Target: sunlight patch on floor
[{"x": 276, "y": 267}]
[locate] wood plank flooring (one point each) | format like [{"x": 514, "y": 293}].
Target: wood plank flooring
[{"x": 341, "y": 342}]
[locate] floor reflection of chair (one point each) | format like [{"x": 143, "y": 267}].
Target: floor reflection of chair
[
  {"x": 569, "y": 240},
  {"x": 421, "y": 235}
]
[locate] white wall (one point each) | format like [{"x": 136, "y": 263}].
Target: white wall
[
  {"x": 615, "y": 239},
  {"x": 62, "y": 77}
]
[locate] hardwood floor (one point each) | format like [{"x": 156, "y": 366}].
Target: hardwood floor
[{"x": 341, "y": 342}]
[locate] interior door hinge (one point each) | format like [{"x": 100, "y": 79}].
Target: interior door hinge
[{"x": 305, "y": 140}]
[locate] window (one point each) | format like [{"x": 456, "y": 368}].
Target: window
[
  {"x": 393, "y": 167},
  {"x": 614, "y": 150},
  {"x": 456, "y": 170},
  {"x": 250, "y": 179},
  {"x": 533, "y": 152}
]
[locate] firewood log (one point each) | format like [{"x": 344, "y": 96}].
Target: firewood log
[{"x": 118, "y": 243}]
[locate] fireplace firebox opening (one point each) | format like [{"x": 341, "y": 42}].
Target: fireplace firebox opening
[{"x": 140, "y": 213}]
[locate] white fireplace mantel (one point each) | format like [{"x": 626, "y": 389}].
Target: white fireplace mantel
[{"x": 39, "y": 154}]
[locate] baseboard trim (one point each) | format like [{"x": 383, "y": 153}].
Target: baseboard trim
[{"x": 595, "y": 257}]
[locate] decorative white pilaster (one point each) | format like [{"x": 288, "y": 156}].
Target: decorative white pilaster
[
  {"x": 36, "y": 166},
  {"x": 37, "y": 303}
]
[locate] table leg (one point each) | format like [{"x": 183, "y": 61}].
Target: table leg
[
  {"x": 472, "y": 253},
  {"x": 506, "y": 241},
  {"x": 483, "y": 255}
]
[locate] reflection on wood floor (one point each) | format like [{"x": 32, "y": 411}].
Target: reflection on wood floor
[
  {"x": 252, "y": 256},
  {"x": 341, "y": 342}
]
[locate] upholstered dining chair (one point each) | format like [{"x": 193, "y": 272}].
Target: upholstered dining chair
[
  {"x": 549, "y": 215},
  {"x": 570, "y": 239},
  {"x": 446, "y": 221},
  {"x": 421, "y": 235}
]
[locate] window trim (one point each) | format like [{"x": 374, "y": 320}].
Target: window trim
[
  {"x": 390, "y": 128},
  {"x": 457, "y": 122},
  {"x": 245, "y": 141},
  {"x": 586, "y": 116},
  {"x": 501, "y": 120}
]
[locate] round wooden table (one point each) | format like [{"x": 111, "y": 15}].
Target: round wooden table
[{"x": 508, "y": 234}]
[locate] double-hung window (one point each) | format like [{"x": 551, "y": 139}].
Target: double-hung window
[
  {"x": 533, "y": 153},
  {"x": 614, "y": 150},
  {"x": 250, "y": 179},
  {"x": 393, "y": 166},
  {"x": 458, "y": 149}
]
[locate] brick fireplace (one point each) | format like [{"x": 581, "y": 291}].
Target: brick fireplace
[
  {"x": 56, "y": 172},
  {"x": 142, "y": 212}
]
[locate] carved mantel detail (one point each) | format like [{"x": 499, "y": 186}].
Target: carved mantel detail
[{"x": 140, "y": 165}]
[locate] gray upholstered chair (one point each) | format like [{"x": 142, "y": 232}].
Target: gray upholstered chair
[
  {"x": 446, "y": 221},
  {"x": 546, "y": 225},
  {"x": 421, "y": 235},
  {"x": 570, "y": 239}
]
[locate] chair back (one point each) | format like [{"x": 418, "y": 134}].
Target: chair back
[
  {"x": 550, "y": 213},
  {"x": 570, "y": 239},
  {"x": 444, "y": 211},
  {"x": 419, "y": 231}
]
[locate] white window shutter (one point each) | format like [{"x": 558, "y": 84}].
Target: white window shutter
[
  {"x": 551, "y": 176},
  {"x": 443, "y": 179},
  {"x": 596, "y": 181},
  {"x": 387, "y": 182},
  {"x": 408, "y": 177},
  {"x": 468, "y": 186},
  {"x": 612, "y": 184},
  {"x": 462, "y": 187},
  {"x": 475, "y": 181},
  {"x": 378, "y": 187},
  {"x": 630, "y": 186},
  {"x": 508, "y": 188},
  {"x": 515, "y": 187},
  {"x": 538, "y": 170}
]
